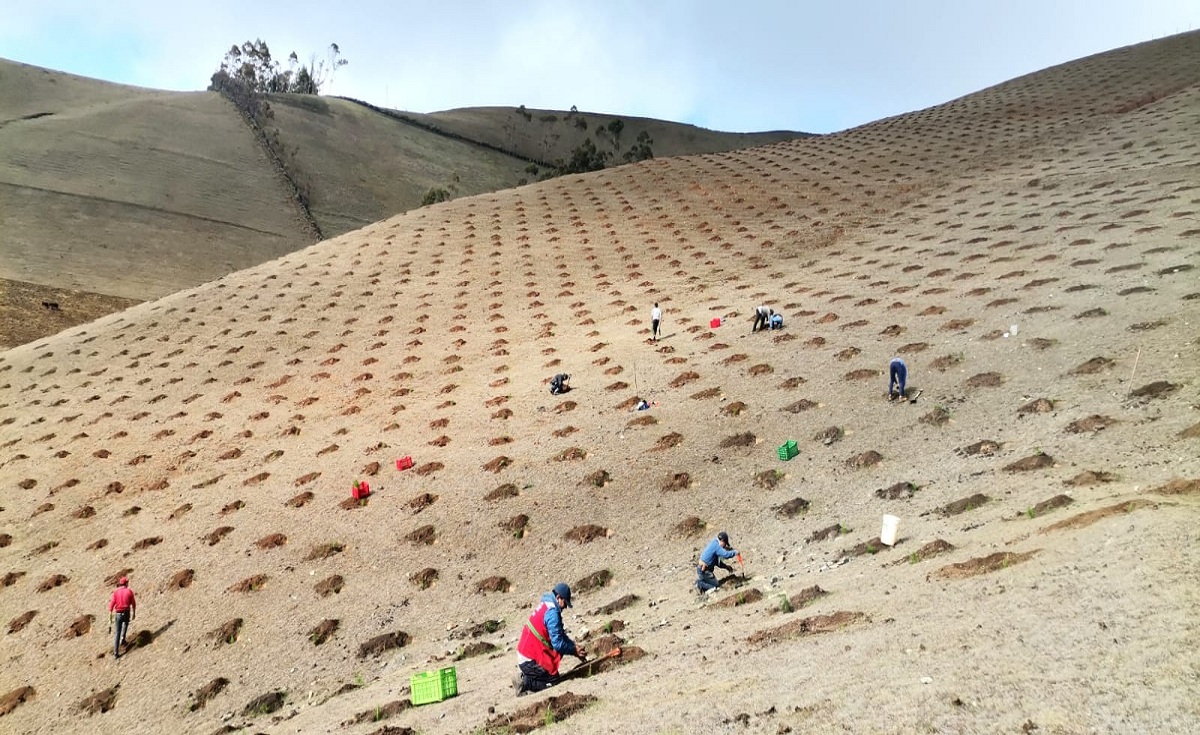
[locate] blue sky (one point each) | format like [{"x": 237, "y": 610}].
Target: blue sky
[{"x": 750, "y": 65}]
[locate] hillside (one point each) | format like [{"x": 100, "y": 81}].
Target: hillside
[
  {"x": 1029, "y": 250},
  {"x": 102, "y": 184}
]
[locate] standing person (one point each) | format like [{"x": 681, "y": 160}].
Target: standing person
[
  {"x": 123, "y": 607},
  {"x": 655, "y": 319},
  {"x": 897, "y": 375},
  {"x": 762, "y": 318},
  {"x": 543, "y": 643},
  {"x": 711, "y": 558}
]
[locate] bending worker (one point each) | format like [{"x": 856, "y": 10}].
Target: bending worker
[
  {"x": 712, "y": 558},
  {"x": 897, "y": 375},
  {"x": 543, "y": 643}
]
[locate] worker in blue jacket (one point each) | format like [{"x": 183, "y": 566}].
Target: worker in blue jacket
[{"x": 712, "y": 558}]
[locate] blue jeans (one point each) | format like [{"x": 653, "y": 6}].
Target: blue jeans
[
  {"x": 897, "y": 375},
  {"x": 122, "y": 627}
]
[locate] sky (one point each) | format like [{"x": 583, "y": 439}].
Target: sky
[{"x": 745, "y": 65}]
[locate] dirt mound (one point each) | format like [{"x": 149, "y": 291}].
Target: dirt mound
[
  {"x": 425, "y": 578},
  {"x": 616, "y": 605},
  {"x": 1082, "y": 520},
  {"x": 1037, "y": 461},
  {"x": 250, "y": 584},
  {"x": 570, "y": 454},
  {"x": 792, "y": 508},
  {"x": 493, "y": 584},
  {"x": 689, "y": 526},
  {"x": 1091, "y": 367},
  {"x": 324, "y": 551},
  {"x": 869, "y": 458},
  {"x": 1058, "y": 501},
  {"x": 516, "y": 525},
  {"x": 299, "y": 501},
  {"x": 871, "y": 546},
  {"x": 147, "y": 543},
  {"x": 507, "y": 490},
  {"x": 19, "y": 622},
  {"x": 323, "y": 631},
  {"x": 829, "y": 436},
  {"x": 928, "y": 551},
  {"x": 540, "y": 714},
  {"x": 805, "y": 597},
  {"x": 382, "y": 712},
  {"x": 421, "y": 502},
  {"x": 100, "y": 702},
  {"x": 271, "y": 541},
  {"x": 801, "y": 405},
  {"x": 10, "y": 578},
  {"x": 901, "y": 490},
  {"x": 1091, "y": 424},
  {"x": 826, "y": 533},
  {"x": 1191, "y": 432},
  {"x": 423, "y": 536},
  {"x": 265, "y": 704},
  {"x": 1037, "y": 405},
  {"x": 586, "y": 534},
  {"x": 939, "y": 416},
  {"x": 181, "y": 579},
  {"x": 201, "y": 696},
  {"x": 683, "y": 379},
  {"x": 429, "y": 468},
  {"x": 1157, "y": 389},
  {"x": 669, "y": 441},
  {"x": 478, "y": 648},
  {"x": 1178, "y": 486},
  {"x": 983, "y": 564},
  {"x": 11, "y": 700},
  {"x": 382, "y": 643},
  {"x": 81, "y": 626},
  {"x": 985, "y": 380},
  {"x": 677, "y": 481},
  {"x": 745, "y": 439},
  {"x": 599, "y": 478},
  {"x": 739, "y": 598},
  {"x": 593, "y": 581},
  {"x": 215, "y": 537},
  {"x": 769, "y": 479},
  {"x": 945, "y": 362},
  {"x": 962, "y": 505},
  {"x": 329, "y": 586},
  {"x": 56, "y": 580},
  {"x": 806, "y": 627},
  {"x": 1090, "y": 477},
  {"x": 227, "y": 633}
]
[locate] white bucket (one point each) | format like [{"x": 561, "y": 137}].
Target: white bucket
[{"x": 891, "y": 526}]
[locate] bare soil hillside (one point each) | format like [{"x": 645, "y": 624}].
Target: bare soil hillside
[
  {"x": 1031, "y": 252},
  {"x": 118, "y": 193}
]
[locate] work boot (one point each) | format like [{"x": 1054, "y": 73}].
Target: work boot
[{"x": 518, "y": 683}]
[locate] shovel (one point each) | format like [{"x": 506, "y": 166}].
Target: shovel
[{"x": 580, "y": 667}]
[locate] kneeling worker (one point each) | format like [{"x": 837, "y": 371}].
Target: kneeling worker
[
  {"x": 543, "y": 643},
  {"x": 711, "y": 559}
]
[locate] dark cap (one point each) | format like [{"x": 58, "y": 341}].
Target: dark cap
[
  {"x": 722, "y": 536},
  {"x": 562, "y": 590}
]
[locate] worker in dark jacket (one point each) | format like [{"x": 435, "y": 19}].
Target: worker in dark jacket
[
  {"x": 560, "y": 384},
  {"x": 543, "y": 643},
  {"x": 123, "y": 608},
  {"x": 762, "y": 317},
  {"x": 712, "y": 558}
]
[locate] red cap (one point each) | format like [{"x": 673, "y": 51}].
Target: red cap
[{"x": 122, "y": 581}]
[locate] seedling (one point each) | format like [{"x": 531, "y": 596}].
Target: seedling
[{"x": 785, "y": 605}]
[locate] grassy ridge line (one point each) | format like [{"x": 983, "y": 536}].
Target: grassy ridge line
[
  {"x": 445, "y": 133},
  {"x": 294, "y": 191}
]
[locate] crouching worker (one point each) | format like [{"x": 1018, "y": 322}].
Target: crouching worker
[
  {"x": 559, "y": 384},
  {"x": 711, "y": 559},
  {"x": 762, "y": 317},
  {"x": 543, "y": 643},
  {"x": 777, "y": 321}
]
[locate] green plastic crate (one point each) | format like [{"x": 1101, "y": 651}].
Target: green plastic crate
[
  {"x": 433, "y": 686},
  {"x": 788, "y": 449}
]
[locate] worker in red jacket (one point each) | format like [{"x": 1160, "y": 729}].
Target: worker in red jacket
[
  {"x": 543, "y": 643},
  {"x": 123, "y": 608}
]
